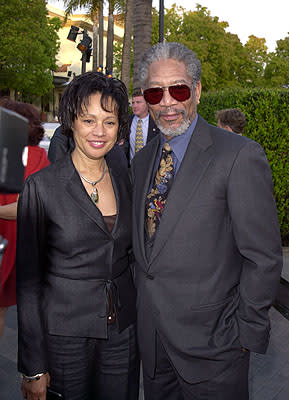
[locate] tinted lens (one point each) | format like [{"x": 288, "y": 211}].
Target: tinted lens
[
  {"x": 153, "y": 95},
  {"x": 180, "y": 92}
]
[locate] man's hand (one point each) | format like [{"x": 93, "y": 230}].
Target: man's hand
[{"x": 35, "y": 390}]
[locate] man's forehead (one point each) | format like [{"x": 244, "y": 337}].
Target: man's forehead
[
  {"x": 169, "y": 71},
  {"x": 138, "y": 99}
]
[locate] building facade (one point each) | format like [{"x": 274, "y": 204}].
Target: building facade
[{"x": 69, "y": 57}]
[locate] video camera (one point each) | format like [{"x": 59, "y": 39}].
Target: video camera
[{"x": 13, "y": 139}]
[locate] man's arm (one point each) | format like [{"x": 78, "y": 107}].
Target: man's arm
[
  {"x": 59, "y": 145},
  {"x": 256, "y": 230}
]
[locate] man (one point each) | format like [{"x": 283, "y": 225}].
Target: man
[
  {"x": 206, "y": 241},
  {"x": 231, "y": 119},
  {"x": 142, "y": 126},
  {"x": 59, "y": 145}
]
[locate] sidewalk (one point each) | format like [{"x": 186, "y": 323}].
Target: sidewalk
[
  {"x": 9, "y": 377},
  {"x": 269, "y": 373}
]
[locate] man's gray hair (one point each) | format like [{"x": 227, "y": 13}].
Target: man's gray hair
[{"x": 170, "y": 50}]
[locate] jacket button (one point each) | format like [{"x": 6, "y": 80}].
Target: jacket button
[{"x": 150, "y": 277}]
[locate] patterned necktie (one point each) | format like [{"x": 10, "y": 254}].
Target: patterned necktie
[
  {"x": 156, "y": 199},
  {"x": 138, "y": 136}
]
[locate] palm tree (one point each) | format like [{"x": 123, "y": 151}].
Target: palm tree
[
  {"x": 113, "y": 6},
  {"x": 110, "y": 35},
  {"x": 126, "y": 50},
  {"x": 142, "y": 33},
  {"x": 100, "y": 32}
]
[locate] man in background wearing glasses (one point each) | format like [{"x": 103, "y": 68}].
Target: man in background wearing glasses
[{"x": 206, "y": 241}]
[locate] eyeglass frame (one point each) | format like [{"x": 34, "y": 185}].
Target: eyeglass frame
[{"x": 191, "y": 86}]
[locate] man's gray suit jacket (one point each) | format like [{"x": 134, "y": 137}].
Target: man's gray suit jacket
[{"x": 215, "y": 265}]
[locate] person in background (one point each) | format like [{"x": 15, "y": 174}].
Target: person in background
[
  {"x": 60, "y": 145},
  {"x": 206, "y": 241},
  {"x": 75, "y": 292},
  {"x": 142, "y": 126},
  {"x": 35, "y": 159},
  {"x": 231, "y": 119}
]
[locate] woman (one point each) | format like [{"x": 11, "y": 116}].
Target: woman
[
  {"x": 75, "y": 293},
  {"x": 35, "y": 159}
]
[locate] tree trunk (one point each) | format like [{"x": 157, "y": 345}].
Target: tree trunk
[
  {"x": 126, "y": 50},
  {"x": 142, "y": 36},
  {"x": 94, "y": 17},
  {"x": 100, "y": 33},
  {"x": 110, "y": 36}
]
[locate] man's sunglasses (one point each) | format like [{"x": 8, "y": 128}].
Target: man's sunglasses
[{"x": 178, "y": 92}]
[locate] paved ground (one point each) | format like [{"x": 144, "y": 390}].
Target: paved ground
[{"x": 269, "y": 373}]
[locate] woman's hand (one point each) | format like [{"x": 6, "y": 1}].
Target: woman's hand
[
  {"x": 35, "y": 390},
  {"x": 9, "y": 211}
]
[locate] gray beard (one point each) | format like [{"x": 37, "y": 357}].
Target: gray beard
[{"x": 172, "y": 132}]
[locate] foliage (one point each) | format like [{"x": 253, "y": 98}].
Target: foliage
[
  {"x": 257, "y": 57},
  {"x": 267, "y": 117},
  {"x": 117, "y": 63},
  {"x": 277, "y": 69},
  {"x": 117, "y": 53},
  {"x": 226, "y": 62},
  {"x": 28, "y": 46}
]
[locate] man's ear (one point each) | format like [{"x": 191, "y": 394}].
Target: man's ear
[
  {"x": 228, "y": 128},
  {"x": 198, "y": 91}
]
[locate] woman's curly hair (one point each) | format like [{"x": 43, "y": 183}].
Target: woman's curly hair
[{"x": 76, "y": 97}]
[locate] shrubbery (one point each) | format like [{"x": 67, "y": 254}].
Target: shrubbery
[{"x": 267, "y": 114}]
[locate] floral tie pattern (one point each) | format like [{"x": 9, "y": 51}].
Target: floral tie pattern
[{"x": 157, "y": 197}]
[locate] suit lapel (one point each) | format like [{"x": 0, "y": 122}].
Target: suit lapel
[
  {"x": 79, "y": 196},
  {"x": 152, "y": 130},
  {"x": 196, "y": 160},
  {"x": 145, "y": 166}
]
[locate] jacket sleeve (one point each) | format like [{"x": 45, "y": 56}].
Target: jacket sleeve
[
  {"x": 256, "y": 230},
  {"x": 30, "y": 266},
  {"x": 59, "y": 146}
]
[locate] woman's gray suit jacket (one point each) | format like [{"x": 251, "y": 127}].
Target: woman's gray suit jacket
[{"x": 67, "y": 261}]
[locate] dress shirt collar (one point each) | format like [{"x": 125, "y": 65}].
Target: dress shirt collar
[{"x": 180, "y": 143}]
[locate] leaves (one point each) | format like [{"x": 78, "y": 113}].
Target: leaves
[
  {"x": 28, "y": 46},
  {"x": 267, "y": 117},
  {"x": 226, "y": 62}
]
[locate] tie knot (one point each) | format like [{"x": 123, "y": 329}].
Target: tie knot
[{"x": 167, "y": 147}]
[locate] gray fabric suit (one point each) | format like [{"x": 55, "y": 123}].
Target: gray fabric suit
[
  {"x": 215, "y": 265},
  {"x": 153, "y": 131},
  {"x": 69, "y": 282}
]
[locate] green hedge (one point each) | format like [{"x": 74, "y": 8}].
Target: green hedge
[{"x": 267, "y": 114}]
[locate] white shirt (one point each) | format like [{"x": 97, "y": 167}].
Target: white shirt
[{"x": 145, "y": 128}]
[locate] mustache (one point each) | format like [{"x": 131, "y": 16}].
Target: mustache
[{"x": 170, "y": 111}]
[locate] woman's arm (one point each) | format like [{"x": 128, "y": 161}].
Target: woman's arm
[
  {"x": 30, "y": 272},
  {"x": 9, "y": 211}
]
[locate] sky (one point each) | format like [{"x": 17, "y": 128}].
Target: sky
[{"x": 262, "y": 18}]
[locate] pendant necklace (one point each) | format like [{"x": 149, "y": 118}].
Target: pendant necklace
[{"x": 94, "y": 195}]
